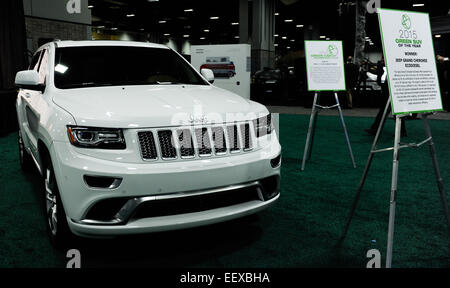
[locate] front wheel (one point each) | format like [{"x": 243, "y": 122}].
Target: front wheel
[{"x": 57, "y": 228}]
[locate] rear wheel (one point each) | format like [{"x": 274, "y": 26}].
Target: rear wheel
[
  {"x": 26, "y": 162},
  {"x": 57, "y": 228}
]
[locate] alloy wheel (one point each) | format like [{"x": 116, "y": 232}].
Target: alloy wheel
[{"x": 51, "y": 202}]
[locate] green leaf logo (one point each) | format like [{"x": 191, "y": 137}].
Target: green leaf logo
[
  {"x": 332, "y": 50},
  {"x": 406, "y": 21}
]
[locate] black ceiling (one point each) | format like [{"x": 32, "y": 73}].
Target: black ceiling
[
  {"x": 148, "y": 17},
  {"x": 179, "y": 23}
]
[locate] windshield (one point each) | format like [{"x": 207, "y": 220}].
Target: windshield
[{"x": 94, "y": 66}]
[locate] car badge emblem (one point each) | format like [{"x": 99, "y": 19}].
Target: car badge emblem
[{"x": 198, "y": 119}]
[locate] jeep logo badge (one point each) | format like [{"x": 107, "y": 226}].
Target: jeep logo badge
[{"x": 198, "y": 119}]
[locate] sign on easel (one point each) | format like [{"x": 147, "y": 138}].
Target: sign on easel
[
  {"x": 325, "y": 65},
  {"x": 414, "y": 88},
  {"x": 410, "y": 62},
  {"x": 325, "y": 72}
]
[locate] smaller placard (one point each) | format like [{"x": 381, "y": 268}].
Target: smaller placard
[{"x": 325, "y": 65}]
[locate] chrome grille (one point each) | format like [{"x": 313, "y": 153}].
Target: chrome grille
[
  {"x": 192, "y": 142},
  {"x": 168, "y": 150},
  {"x": 147, "y": 145},
  {"x": 246, "y": 137},
  {"x": 203, "y": 143},
  {"x": 218, "y": 137},
  {"x": 233, "y": 138},
  {"x": 186, "y": 144}
]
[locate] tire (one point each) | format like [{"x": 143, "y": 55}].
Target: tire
[
  {"x": 26, "y": 162},
  {"x": 55, "y": 216}
]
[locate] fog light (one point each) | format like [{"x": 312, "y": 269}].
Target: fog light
[
  {"x": 102, "y": 182},
  {"x": 275, "y": 162},
  {"x": 270, "y": 187}
]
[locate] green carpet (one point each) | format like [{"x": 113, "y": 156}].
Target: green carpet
[{"x": 301, "y": 230}]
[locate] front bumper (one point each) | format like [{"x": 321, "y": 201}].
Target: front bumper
[
  {"x": 172, "y": 222},
  {"x": 144, "y": 182}
]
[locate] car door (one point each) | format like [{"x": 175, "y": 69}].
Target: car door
[
  {"x": 31, "y": 100},
  {"x": 26, "y": 97}
]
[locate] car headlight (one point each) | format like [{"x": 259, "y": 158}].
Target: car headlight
[
  {"x": 92, "y": 137},
  {"x": 263, "y": 125}
]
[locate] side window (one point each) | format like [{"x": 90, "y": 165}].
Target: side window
[
  {"x": 35, "y": 61},
  {"x": 42, "y": 70}
]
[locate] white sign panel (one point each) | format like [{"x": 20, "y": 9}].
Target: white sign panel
[
  {"x": 230, "y": 64},
  {"x": 325, "y": 65},
  {"x": 410, "y": 61}
]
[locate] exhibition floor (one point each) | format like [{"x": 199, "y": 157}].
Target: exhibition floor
[{"x": 301, "y": 230}]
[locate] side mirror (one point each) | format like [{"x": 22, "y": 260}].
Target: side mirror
[
  {"x": 208, "y": 74},
  {"x": 29, "y": 79}
]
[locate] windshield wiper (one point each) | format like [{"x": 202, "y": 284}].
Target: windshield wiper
[
  {"x": 85, "y": 84},
  {"x": 168, "y": 82},
  {"x": 118, "y": 83}
]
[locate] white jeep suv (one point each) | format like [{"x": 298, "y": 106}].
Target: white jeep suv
[{"x": 130, "y": 138}]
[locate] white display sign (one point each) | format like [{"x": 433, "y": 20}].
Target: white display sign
[
  {"x": 410, "y": 61},
  {"x": 325, "y": 65},
  {"x": 230, "y": 64}
]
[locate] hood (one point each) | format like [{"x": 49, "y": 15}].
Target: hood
[{"x": 155, "y": 106}]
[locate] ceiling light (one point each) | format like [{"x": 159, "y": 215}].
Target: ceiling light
[
  {"x": 113, "y": 28},
  {"x": 288, "y": 47},
  {"x": 438, "y": 36},
  {"x": 276, "y": 14},
  {"x": 188, "y": 10},
  {"x": 206, "y": 30},
  {"x": 276, "y": 45},
  {"x": 166, "y": 34},
  {"x": 299, "y": 26},
  {"x": 100, "y": 27},
  {"x": 235, "y": 23},
  {"x": 236, "y": 37},
  {"x": 418, "y": 5},
  {"x": 61, "y": 68},
  {"x": 162, "y": 21},
  {"x": 186, "y": 35},
  {"x": 130, "y": 15},
  {"x": 284, "y": 37},
  {"x": 202, "y": 38},
  {"x": 323, "y": 37},
  {"x": 288, "y": 20},
  {"x": 292, "y": 40},
  {"x": 142, "y": 29},
  {"x": 90, "y": 6},
  {"x": 276, "y": 35},
  {"x": 327, "y": 39},
  {"x": 214, "y": 17}
]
